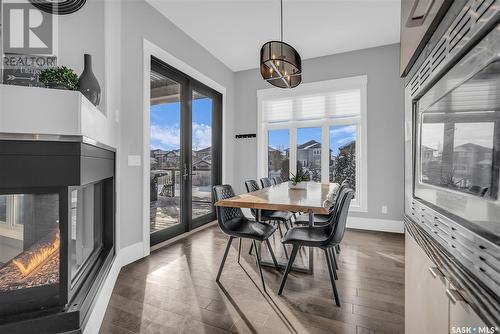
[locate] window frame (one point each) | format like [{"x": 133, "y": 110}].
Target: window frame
[{"x": 359, "y": 203}]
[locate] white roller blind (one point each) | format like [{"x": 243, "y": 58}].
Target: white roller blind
[{"x": 312, "y": 105}]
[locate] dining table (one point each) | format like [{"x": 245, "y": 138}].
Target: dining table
[{"x": 312, "y": 199}]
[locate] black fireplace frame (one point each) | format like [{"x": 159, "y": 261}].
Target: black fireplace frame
[{"x": 58, "y": 165}]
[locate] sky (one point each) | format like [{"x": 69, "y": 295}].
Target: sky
[
  {"x": 165, "y": 120},
  {"x": 339, "y": 135}
]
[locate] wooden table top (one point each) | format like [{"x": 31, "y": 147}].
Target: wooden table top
[{"x": 280, "y": 197}]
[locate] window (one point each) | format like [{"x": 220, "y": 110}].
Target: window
[
  {"x": 318, "y": 128},
  {"x": 277, "y": 157}
]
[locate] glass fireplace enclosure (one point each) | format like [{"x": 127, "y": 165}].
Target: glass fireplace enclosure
[{"x": 56, "y": 229}]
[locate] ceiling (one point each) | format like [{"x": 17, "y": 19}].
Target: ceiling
[{"x": 234, "y": 30}]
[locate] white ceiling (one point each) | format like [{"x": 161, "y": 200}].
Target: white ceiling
[{"x": 234, "y": 30}]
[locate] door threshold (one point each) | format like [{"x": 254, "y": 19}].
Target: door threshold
[{"x": 181, "y": 236}]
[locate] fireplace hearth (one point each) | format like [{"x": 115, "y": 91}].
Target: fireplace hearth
[{"x": 56, "y": 231}]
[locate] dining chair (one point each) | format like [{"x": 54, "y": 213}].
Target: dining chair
[
  {"x": 320, "y": 218},
  {"x": 278, "y": 179},
  {"x": 233, "y": 223},
  {"x": 280, "y": 217},
  {"x": 265, "y": 182},
  {"x": 324, "y": 237}
]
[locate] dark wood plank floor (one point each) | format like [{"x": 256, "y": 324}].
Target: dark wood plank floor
[{"x": 174, "y": 291}]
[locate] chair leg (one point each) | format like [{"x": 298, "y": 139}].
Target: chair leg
[
  {"x": 337, "y": 249},
  {"x": 250, "y": 251},
  {"x": 295, "y": 249},
  {"x": 257, "y": 255},
  {"x": 332, "y": 279},
  {"x": 281, "y": 235},
  {"x": 268, "y": 243},
  {"x": 239, "y": 250},
  {"x": 333, "y": 262},
  {"x": 224, "y": 258},
  {"x": 286, "y": 225}
]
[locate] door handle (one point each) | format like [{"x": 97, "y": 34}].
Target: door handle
[
  {"x": 418, "y": 20},
  {"x": 186, "y": 173},
  {"x": 454, "y": 295},
  {"x": 435, "y": 272}
]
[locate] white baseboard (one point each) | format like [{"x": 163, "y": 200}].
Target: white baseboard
[
  {"x": 125, "y": 256},
  {"x": 375, "y": 224}
]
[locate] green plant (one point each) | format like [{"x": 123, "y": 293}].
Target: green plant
[
  {"x": 61, "y": 76},
  {"x": 298, "y": 177}
]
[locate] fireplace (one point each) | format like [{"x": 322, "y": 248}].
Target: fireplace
[{"x": 56, "y": 231}]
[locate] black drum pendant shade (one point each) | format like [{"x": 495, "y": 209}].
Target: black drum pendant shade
[{"x": 280, "y": 63}]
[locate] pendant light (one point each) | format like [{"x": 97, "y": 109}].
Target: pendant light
[{"x": 280, "y": 63}]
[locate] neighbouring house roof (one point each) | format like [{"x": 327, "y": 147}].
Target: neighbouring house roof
[
  {"x": 205, "y": 150},
  {"x": 352, "y": 142},
  {"x": 469, "y": 147},
  {"x": 309, "y": 145}
]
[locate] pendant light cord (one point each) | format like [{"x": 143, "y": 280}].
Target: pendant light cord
[{"x": 282, "y": 20}]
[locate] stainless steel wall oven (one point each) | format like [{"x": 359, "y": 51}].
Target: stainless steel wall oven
[{"x": 452, "y": 152}]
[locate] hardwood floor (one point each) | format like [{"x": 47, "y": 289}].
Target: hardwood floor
[{"x": 174, "y": 290}]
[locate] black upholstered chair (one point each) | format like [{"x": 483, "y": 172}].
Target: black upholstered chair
[
  {"x": 278, "y": 179},
  {"x": 233, "y": 223},
  {"x": 324, "y": 237},
  {"x": 280, "y": 217},
  {"x": 322, "y": 219},
  {"x": 265, "y": 182}
]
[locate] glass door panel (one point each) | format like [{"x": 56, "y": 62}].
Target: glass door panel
[
  {"x": 166, "y": 186},
  {"x": 201, "y": 145}
]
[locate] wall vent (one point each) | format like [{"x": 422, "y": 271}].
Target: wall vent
[{"x": 471, "y": 19}]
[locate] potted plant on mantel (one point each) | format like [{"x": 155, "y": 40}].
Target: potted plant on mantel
[
  {"x": 59, "y": 78},
  {"x": 297, "y": 181}
]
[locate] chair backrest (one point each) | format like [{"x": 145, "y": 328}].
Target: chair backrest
[
  {"x": 252, "y": 185},
  {"x": 338, "y": 225},
  {"x": 278, "y": 179},
  {"x": 225, "y": 214},
  {"x": 339, "y": 195},
  {"x": 265, "y": 182}
]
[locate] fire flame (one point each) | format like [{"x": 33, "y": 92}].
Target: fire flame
[{"x": 39, "y": 257}]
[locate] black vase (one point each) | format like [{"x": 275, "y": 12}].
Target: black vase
[{"x": 89, "y": 86}]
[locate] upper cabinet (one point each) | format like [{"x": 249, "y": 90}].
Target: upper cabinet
[{"x": 419, "y": 19}]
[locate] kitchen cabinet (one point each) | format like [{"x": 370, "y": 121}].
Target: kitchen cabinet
[
  {"x": 432, "y": 304},
  {"x": 419, "y": 19},
  {"x": 461, "y": 314},
  {"x": 426, "y": 303}
]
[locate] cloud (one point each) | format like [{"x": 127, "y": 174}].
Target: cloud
[
  {"x": 202, "y": 136},
  {"x": 343, "y": 130},
  {"x": 168, "y": 137}
]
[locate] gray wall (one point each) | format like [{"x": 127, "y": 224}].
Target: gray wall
[
  {"x": 385, "y": 121},
  {"x": 139, "y": 21}
]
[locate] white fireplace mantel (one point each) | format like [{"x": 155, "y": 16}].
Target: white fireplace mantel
[{"x": 34, "y": 110}]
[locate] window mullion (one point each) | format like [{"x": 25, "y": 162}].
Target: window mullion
[
  {"x": 293, "y": 150},
  {"x": 325, "y": 154}
]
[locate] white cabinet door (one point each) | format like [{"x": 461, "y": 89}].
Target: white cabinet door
[
  {"x": 462, "y": 315},
  {"x": 426, "y": 303}
]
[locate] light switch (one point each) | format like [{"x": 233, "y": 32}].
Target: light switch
[
  {"x": 134, "y": 160},
  {"x": 384, "y": 209}
]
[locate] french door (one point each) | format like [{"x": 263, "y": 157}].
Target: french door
[{"x": 185, "y": 151}]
